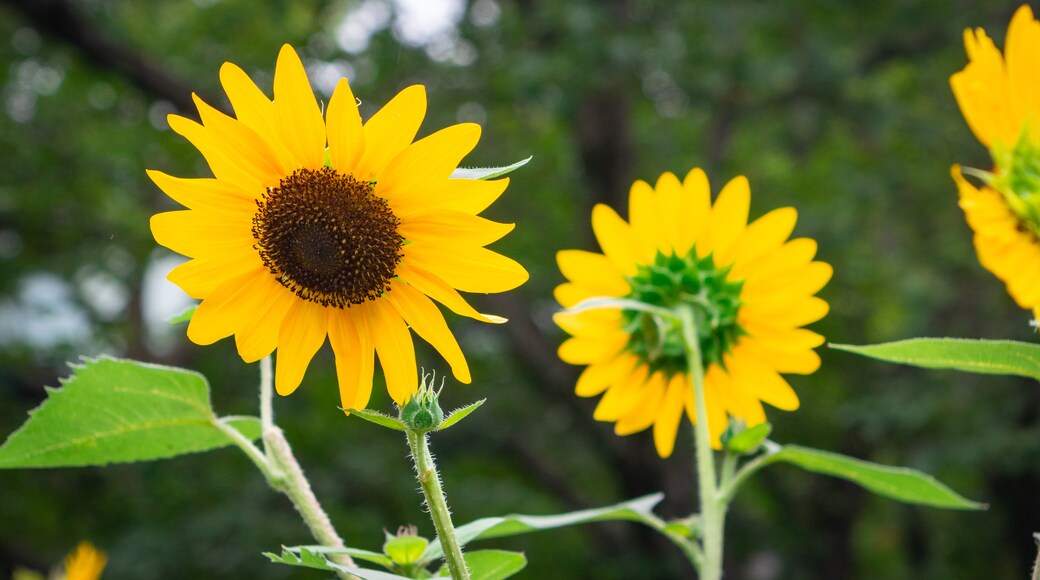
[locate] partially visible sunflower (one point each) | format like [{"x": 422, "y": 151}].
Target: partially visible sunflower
[
  {"x": 85, "y": 563},
  {"x": 315, "y": 227},
  {"x": 1000, "y": 99},
  {"x": 750, "y": 287}
]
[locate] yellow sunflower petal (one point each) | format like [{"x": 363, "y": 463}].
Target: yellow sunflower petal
[
  {"x": 427, "y": 321},
  {"x": 794, "y": 253},
  {"x": 460, "y": 227},
  {"x": 229, "y": 306},
  {"x": 390, "y": 130},
  {"x": 197, "y": 233},
  {"x": 225, "y": 165},
  {"x": 355, "y": 360},
  {"x": 470, "y": 196},
  {"x": 623, "y": 396},
  {"x": 694, "y": 210},
  {"x": 616, "y": 239},
  {"x": 428, "y": 160},
  {"x": 201, "y": 276},
  {"x": 244, "y": 144},
  {"x": 468, "y": 268},
  {"x": 345, "y": 134},
  {"x": 204, "y": 194},
  {"x": 597, "y": 377},
  {"x": 257, "y": 336},
  {"x": 765, "y": 234},
  {"x": 666, "y": 427},
  {"x": 729, "y": 216},
  {"x": 592, "y": 323},
  {"x": 802, "y": 362},
  {"x": 644, "y": 215},
  {"x": 645, "y": 413},
  {"x": 588, "y": 350},
  {"x": 297, "y": 115},
  {"x": 592, "y": 269},
  {"x": 393, "y": 344},
  {"x": 433, "y": 286},
  {"x": 669, "y": 198},
  {"x": 1022, "y": 57},
  {"x": 302, "y": 333},
  {"x": 787, "y": 286},
  {"x": 750, "y": 375}
]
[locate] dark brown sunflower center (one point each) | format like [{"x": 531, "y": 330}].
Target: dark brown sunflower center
[{"x": 327, "y": 238}]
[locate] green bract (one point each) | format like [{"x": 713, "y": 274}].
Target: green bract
[{"x": 674, "y": 280}]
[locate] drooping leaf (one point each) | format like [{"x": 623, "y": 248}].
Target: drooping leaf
[
  {"x": 898, "y": 483},
  {"x": 998, "y": 357},
  {"x": 114, "y": 411},
  {"x": 379, "y": 419},
  {"x": 494, "y": 564},
  {"x": 606, "y": 302},
  {"x": 637, "y": 510},
  {"x": 488, "y": 172},
  {"x": 459, "y": 414}
]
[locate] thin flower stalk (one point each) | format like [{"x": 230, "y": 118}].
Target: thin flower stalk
[{"x": 430, "y": 481}]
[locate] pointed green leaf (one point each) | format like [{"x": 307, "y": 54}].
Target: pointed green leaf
[
  {"x": 636, "y": 510},
  {"x": 113, "y": 411},
  {"x": 379, "y": 419},
  {"x": 487, "y": 172},
  {"x": 493, "y": 564},
  {"x": 304, "y": 557},
  {"x": 356, "y": 553},
  {"x": 606, "y": 302},
  {"x": 898, "y": 483},
  {"x": 998, "y": 357},
  {"x": 185, "y": 315},
  {"x": 459, "y": 414},
  {"x": 748, "y": 440}
]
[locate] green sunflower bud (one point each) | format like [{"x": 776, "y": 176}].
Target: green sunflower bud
[
  {"x": 423, "y": 413},
  {"x": 405, "y": 548}
]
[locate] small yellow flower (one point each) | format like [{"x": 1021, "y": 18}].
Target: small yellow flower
[
  {"x": 999, "y": 96},
  {"x": 85, "y": 563},
  {"x": 750, "y": 287},
  {"x": 326, "y": 226}
]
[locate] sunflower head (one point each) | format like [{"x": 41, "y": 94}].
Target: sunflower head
[
  {"x": 317, "y": 225},
  {"x": 750, "y": 289},
  {"x": 996, "y": 93}
]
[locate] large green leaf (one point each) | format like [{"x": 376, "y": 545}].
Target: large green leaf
[
  {"x": 493, "y": 564},
  {"x": 638, "y": 510},
  {"x": 898, "y": 483},
  {"x": 114, "y": 411},
  {"x": 309, "y": 557},
  {"x": 998, "y": 357}
]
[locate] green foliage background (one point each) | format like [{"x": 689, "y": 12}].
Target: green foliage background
[{"x": 841, "y": 109}]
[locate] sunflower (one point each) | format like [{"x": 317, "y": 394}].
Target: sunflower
[
  {"x": 999, "y": 96},
  {"x": 315, "y": 227},
  {"x": 85, "y": 563},
  {"x": 750, "y": 287}
]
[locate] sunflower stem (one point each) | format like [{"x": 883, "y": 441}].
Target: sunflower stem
[
  {"x": 284, "y": 474},
  {"x": 713, "y": 506},
  {"x": 430, "y": 481}
]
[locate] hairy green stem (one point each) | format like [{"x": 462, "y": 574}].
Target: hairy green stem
[
  {"x": 266, "y": 394},
  {"x": 430, "y": 481},
  {"x": 713, "y": 509}
]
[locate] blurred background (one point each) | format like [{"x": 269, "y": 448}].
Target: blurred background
[{"x": 840, "y": 109}]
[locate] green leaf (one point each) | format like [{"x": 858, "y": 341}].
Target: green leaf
[
  {"x": 636, "y": 510},
  {"x": 459, "y": 414},
  {"x": 379, "y": 419},
  {"x": 487, "y": 172},
  {"x": 748, "y": 440},
  {"x": 603, "y": 302},
  {"x": 356, "y": 553},
  {"x": 998, "y": 357},
  {"x": 898, "y": 483},
  {"x": 113, "y": 411},
  {"x": 493, "y": 564},
  {"x": 184, "y": 316},
  {"x": 405, "y": 549},
  {"x": 308, "y": 558}
]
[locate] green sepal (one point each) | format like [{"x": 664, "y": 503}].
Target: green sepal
[
  {"x": 459, "y": 414},
  {"x": 898, "y": 483},
  {"x": 488, "y": 172},
  {"x": 117, "y": 411},
  {"x": 749, "y": 440},
  {"x": 184, "y": 315},
  {"x": 379, "y": 419},
  {"x": 997, "y": 357}
]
